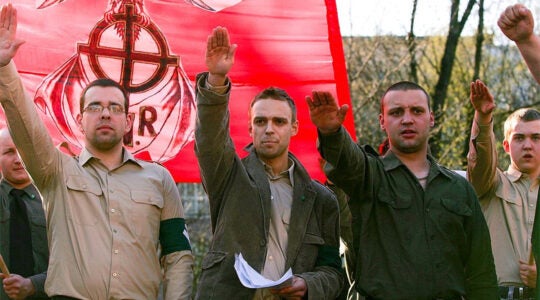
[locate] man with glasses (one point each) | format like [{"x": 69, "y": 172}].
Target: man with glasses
[{"x": 107, "y": 212}]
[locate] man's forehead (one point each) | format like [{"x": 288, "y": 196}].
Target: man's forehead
[
  {"x": 405, "y": 98},
  {"x": 271, "y": 108},
  {"x": 104, "y": 93},
  {"x": 526, "y": 127}
]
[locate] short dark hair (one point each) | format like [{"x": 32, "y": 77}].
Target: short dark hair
[
  {"x": 405, "y": 86},
  {"x": 105, "y": 82},
  {"x": 522, "y": 114},
  {"x": 275, "y": 94}
]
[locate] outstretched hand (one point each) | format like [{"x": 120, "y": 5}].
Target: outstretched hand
[
  {"x": 517, "y": 23},
  {"x": 325, "y": 112},
  {"x": 481, "y": 99},
  {"x": 219, "y": 55},
  {"x": 9, "y": 44}
]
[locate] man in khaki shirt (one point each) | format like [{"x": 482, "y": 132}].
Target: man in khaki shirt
[
  {"x": 508, "y": 198},
  {"x": 107, "y": 212}
]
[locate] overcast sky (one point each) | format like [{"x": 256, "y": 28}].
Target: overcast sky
[{"x": 373, "y": 17}]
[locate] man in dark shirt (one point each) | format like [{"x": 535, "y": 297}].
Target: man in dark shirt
[
  {"x": 419, "y": 232},
  {"x": 24, "y": 248}
]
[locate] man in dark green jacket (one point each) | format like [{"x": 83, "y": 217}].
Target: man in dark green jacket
[
  {"x": 419, "y": 232},
  {"x": 264, "y": 206}
]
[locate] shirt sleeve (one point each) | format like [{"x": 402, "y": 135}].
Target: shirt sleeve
[
  {"x": 41, "y": 159},
  {"x": 482, "y": 159},
  {"x": 177, "y": 259},
  {"x": 178, "y": 277}
]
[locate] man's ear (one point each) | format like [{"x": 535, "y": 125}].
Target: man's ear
[
  {"x": 295, "y": 127},
  {"x": 506, "y": 146},
  {"x": 129, "y": 123},
  {"x": 381, "y": 121},
  {"x": 79, "y": 123}
]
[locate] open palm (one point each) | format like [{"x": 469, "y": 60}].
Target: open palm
[
  {"x": 219, "y": 52},
  {"x": 8, "y": 27}
]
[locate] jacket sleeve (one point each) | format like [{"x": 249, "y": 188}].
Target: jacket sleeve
[
  {"x": 38, "y": 280},
  {"x": 346, "y": 162},
  {"x": 481, "y": 279},
  {"x": 213, "y": 144},
  {"x": 327, "y": 279},
  {"x": 482, "y": 159}
]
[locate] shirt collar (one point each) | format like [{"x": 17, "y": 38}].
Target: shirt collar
[
  {"x": 514, "y": 174},
  {"x": 28, "y": 190},
  {"x": 391, "y": 161},
  {"x": 289, "y": 172},
  {"x": 85, "y": 156}
]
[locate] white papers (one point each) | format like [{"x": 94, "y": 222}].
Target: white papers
[{"x": 252, "y": 279}]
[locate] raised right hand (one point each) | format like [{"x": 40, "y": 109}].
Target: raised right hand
[
  {"x": 9, "y": 44},
  {"x": 219, "y": 55},
  {"x": 481, "y": 98},
  {"x": 325, "y": 112}
]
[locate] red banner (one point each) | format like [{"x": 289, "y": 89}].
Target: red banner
[{"x": 155, "y": 48}]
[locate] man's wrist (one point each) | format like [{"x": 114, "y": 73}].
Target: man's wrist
[{"x": 216, "y": 80}]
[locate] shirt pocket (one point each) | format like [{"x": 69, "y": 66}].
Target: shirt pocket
[
  {"x": 394, "y": 200},
  {"x": 145, "y": 213},
  {"x": 84, "y": 200},
  {"x": 452, "y": 218}
]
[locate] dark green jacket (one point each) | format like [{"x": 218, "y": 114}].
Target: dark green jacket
[
  {"x": 36, "y": 216},
  {"x": 411, "y": 243}
]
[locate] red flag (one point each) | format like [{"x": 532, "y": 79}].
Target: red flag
[{"x": 155, "y": 48}]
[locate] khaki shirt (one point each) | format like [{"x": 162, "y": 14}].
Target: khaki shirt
[
  {"x": 103, "y": 225},
  {"x": 508, "y": 200}
]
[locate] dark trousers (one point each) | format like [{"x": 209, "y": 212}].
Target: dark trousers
[{"x": 63, "y": 298}]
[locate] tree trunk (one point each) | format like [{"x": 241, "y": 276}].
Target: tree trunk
[
  {"x": 411, "y": 42},
  {"x": 447, "y": 63}
]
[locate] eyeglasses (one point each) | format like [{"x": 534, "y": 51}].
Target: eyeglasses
[{"x": 98, "y": 108}]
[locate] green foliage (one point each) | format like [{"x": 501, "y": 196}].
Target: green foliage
[{"x": 374, "y": 63}]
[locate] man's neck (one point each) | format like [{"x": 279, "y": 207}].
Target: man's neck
[
  {"x": 416, "y": 162},
  {"x": 18, "y": 186},
  {"x": 278, "y": 164}
]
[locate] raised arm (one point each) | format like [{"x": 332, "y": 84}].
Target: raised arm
[
  {"x": 517, "y": 23},
  {"x": 482, "y": 158},
  {"x": 27, "y": 129},
  {"x": 213, "y": 144}
]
